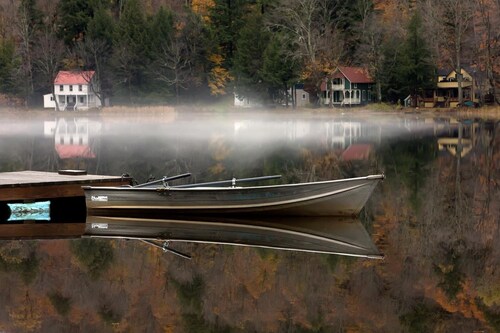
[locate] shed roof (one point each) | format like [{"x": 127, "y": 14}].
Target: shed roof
[
  {"x": 70, "y": 77},
  {"x": 353, "y": 74}
]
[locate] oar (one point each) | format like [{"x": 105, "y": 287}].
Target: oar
[
  {"x": 165, "y": 248},
  {"x": 164, "y": 179},
  {"x": 231, "y": 182}
]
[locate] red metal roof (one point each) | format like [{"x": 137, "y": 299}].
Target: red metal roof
[
  {"x": 72, "y": 151},
  {"x": 67, "y": 77},
  {"x": 353, "y": 74}
]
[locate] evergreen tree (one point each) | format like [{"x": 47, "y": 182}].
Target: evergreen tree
[
  {"x": 419, "y": 70},
  {"x": 8, "y": 65},
  {"x": 74, "y": 15},
  {"x": 279, "y": 70},
  {"x": 161, "y": 32},
  {"x": 96, "y": 48},
  {"x": 248, "y": 58},
  {"x": 392, "y": 74},
  {"x": 130, "y": 48},
  {"x": 226, "y": 20},
  {"x": 407, "y": 67}
]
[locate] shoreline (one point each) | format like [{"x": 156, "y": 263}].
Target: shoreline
[{"x": 161, "y": 110}]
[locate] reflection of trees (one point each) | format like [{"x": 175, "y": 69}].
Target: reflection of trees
[{"x": 408, "y": 162}]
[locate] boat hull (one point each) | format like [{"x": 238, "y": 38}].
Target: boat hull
[{"x": 344, "y": 197}]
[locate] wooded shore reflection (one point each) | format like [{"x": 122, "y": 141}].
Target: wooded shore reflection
[{"x": 435, "y": 217}]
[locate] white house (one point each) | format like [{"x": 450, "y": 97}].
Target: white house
[
  {"x": 347, "y": 86},
  {"x": 74, "y": 91}
]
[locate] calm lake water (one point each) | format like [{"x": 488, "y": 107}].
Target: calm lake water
[{"x": 435, "y": 217}]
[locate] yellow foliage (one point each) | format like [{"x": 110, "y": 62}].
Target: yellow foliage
[
  {"x": 27, "y": 315},
  {"x": 217, "y": 168},
  {"x": 216, "y": 59},
  {"x": 489, "y": 293},
  {"x": 202, "y": 7},
  {"x": 219, "y": 76},
  {"x": 14, "y": 252}
]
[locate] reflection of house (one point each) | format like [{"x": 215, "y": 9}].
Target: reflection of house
[
  {"x": 74, "y": 91},
  {"x": 446, "y": 92},
  {"x": 347, "y": 86},
  {"x": 342, "y": 134},
  {"x": 357, "y": 152},
  {"x": 458, "y": 138},
  {"x": 72, "y": 139}
]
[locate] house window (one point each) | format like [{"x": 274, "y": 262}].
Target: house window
[
  {"x": 337, "y": 81},
  {"x": 355, "y": 86},
  {"x": 61, "y": 87},
  {"x": 347, "y": 94},
  {"x": 80, "y": 88},
  {"x": 70, "y": 87},
  {"x": 303, "y": 96},
  {"x": 51, "y": 98},
  {"x": 82, "y": 99}
]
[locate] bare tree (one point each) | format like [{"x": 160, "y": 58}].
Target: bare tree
[
  {"x": 174, "y": 66},
  {"x": 311, "y": 30},
  {"x": 370, "y": 49},
  {"x": 93, "y": 52},
  {"x": 457, "y": 20},
  {"x": 489, "y": 31},
  {"x": 26, "y": 24},
  {"x": 49, "y": 56},
  {"x": 313, "y": 34}
]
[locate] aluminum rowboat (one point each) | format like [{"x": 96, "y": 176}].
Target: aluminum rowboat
[{"x": 344, "y": 197}]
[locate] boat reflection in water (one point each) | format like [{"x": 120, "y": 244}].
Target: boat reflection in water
[{"x": 331, "y": 235}]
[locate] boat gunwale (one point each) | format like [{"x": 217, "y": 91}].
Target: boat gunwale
[{"x": 208, "y": 188}]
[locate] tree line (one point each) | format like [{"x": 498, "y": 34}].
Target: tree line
[{"x": 175, "y": 51}]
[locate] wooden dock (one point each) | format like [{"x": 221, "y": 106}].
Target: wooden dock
[
  {"x": 41, "y": 231},
  {"x": 34, "y": 185}
]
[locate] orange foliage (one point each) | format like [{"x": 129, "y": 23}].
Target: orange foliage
[{"x": 464, "y": 304}]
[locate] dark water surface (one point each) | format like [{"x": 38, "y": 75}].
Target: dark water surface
[{"x": 435, "y": 217}]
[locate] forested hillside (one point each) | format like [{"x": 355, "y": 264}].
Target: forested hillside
[{"x": 173, "y": 51}]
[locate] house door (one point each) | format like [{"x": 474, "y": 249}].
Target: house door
[{"x": 337, "y": 96}]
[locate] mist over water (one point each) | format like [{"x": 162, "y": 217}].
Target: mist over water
[{"x": 146, "y": 145}]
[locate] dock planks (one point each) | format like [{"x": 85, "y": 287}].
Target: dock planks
[{"x": 33, "y": 185}]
